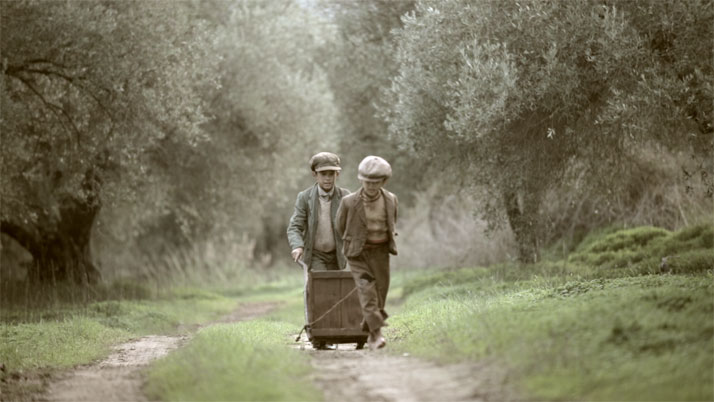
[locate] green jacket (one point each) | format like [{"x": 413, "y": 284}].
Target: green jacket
[{"x": 303, "y": 223}]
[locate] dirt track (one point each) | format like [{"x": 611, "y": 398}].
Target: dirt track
[
  {"x": 119, "y": 376},
  {"x": 344, "y": 374},
  {"x": 347, "y": 374}
]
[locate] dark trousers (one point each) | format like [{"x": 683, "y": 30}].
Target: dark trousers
[
  {"x": 324, "y": 261},
  {"x": 370, "y": 271}
]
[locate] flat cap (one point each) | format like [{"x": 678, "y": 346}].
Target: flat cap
[
  {"x": 374, "y": 168},
  {"x": 325, "y": 161}
]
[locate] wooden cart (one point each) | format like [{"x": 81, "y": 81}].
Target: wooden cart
[{"x": 325, "y": 289}]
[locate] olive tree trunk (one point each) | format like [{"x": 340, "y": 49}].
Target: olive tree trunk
[
  {"x": 60, "y": 251},
  {"x": 523, "y": 217}
]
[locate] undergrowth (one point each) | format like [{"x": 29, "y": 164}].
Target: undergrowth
[
  {"x": 643, "y": 244},
  {"x": 630, "y": 252}
]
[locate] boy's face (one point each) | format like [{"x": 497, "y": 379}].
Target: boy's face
[
  {"x": 372, "y": 187},
  {"x": 326, "y": 179}
]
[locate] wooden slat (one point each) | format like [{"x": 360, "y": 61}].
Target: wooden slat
[
  {"x": 327, "y": 292},
  {"x": 331, "y": 274},
  {"x": 353, "y": 310},
  {"x": 338, "y": 332}
]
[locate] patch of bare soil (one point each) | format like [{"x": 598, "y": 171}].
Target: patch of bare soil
[
  {"x": 119, "y": 376},
  {"x": 351, "y": 375}
]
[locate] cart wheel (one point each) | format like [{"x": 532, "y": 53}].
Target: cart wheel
[
  {"x": 318, "y": 345},
  {"x": 360, "y": 345}
]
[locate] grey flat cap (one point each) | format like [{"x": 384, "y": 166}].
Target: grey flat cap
[
  {"x": 374, "y": 168},
  {"x": 325, "y": 161}
]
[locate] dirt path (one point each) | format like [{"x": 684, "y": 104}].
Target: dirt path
[
  {"x": 344, "y": 374},
  {"x": 353, "y": 375},
  {"x": 119, "y": 376}
]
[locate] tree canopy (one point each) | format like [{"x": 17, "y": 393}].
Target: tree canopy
[
  {"x": 177, "y": 122},
  {"x": 523, "y": 92},
  {"x": 87, "y": 93}
]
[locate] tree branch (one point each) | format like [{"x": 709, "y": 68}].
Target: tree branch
[
  {"x": 46, "y": 61},
  {"x": 73, "y": 80},
  {"x": 53, "y": 108}
]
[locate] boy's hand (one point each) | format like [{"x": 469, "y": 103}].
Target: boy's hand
[{"x": 296, "y": 254}]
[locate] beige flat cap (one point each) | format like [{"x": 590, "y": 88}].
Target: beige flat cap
[{"x": 374, "y": 168}]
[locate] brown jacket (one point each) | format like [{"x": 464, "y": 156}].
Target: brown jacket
[{"x": 351, "y": 222}]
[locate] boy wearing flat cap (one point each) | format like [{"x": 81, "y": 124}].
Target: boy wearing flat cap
[
  {"x": 311, "y": 231},
  {"x": 365, "y": 221}
]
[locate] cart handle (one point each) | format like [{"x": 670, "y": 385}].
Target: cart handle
[{"x": 302, "y": 264}]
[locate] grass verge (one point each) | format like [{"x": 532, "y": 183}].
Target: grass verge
[
  {"x": 245, "y": 361},
  {"x": 56, "y": 327},
  {"x": 38, "y": 342},
  {"x": 616, "y": 330}
]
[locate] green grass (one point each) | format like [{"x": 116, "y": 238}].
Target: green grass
[
  {"x": 574, "y": 329},
  {"x": 74, "y": 334},
  {"x": 245, "y": 361},
  {"x": 56, "y": 344},
  {"x": 609, "y": 322},
  {"x": 56, "y": 327},
  {"x": 292, "y": 311}
]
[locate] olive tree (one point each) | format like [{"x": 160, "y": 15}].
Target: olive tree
[
  {"x": 273, "y": 111},
  {"x": 518, "y": 93},
  {"x": 89, "y": 91},
  {"x": 360, "y": 64}
]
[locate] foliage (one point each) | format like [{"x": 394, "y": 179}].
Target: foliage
[
  {"x": 88, "y": 92},
  {"x": 607, "y": 253},
  {"x": 438, "y": 229},
  {"x": 255, "y": 366},
  {"x": 521, "y": 93},
  {"x": 359, "y": 64},
  {"x": 273, "y": 110},
  {"x": 81, "y": 83},
  {"x": 186, "y": 114}
]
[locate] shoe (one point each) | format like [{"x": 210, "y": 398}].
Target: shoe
[
  {"x": 375, "y": 340},
  {"x": 381, "y": 342}
]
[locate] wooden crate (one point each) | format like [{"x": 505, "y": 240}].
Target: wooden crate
[{"x": 341, "y": 325}]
